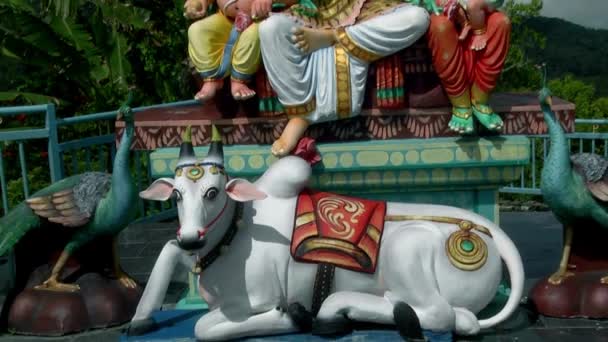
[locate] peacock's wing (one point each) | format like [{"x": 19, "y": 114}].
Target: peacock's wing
[
  {"x": 18, "y": 221},
  {"x": 53, "y": 203},
  {"x": 73, "y": 206},
  {"x": 592, "y": 168}
]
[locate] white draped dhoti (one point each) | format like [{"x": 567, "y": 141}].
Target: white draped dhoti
[{"x": 329, "y": 84}]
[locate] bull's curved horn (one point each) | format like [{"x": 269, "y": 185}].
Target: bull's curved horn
[
  {"x": 216, "y": 148},
  {"x": 186, "y": 150}
]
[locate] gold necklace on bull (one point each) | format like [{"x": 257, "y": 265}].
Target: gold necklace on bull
[{"x": 203, "y": 262}]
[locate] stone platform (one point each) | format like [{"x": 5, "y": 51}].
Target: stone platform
[{"x": 161, "y": 127}]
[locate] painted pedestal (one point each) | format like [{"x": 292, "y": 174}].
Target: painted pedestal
[{"x": 462, "y": 172}]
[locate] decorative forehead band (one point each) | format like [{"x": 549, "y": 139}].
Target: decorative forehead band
[
  {"x": 220, "y": 166},
  {"x": 228, "y": 3}
]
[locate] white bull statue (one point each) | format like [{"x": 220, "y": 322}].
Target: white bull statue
[{"x": 443, "y": 262}]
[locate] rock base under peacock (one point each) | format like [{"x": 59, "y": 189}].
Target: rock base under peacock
[
  {"x": 582, "y": 294},
  {"x": 101, "y": 302}
]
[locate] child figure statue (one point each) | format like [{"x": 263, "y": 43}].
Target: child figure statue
[
  {"x": 471, "y": 15},
  {"x": 469, "y": 65},
  {"x": 226, "y": 44}
]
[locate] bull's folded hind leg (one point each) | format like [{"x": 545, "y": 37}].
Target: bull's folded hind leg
[
  {"x": 215, "y": 326},
  {"x": 341, "y": 307},
  {"x": 413, "y": 280}
]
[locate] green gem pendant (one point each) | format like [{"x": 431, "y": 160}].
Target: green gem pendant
[{"x": 467, "y": 245}]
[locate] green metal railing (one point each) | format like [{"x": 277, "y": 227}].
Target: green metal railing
[
  {"x": 66, "y": 158},
  {"x": 49, "y": 132}
]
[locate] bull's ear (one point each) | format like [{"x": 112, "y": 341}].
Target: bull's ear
[
  {"x": 160, "y": 190},
  {"x": 242, "y": 190}
]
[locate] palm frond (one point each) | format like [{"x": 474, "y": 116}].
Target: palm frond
[{"x": 75, "y": 35}]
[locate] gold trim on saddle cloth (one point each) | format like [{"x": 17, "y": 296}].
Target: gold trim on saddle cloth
[
  {"x": 465, "y": 249},
  {"x": 302, "y": 109},
  {"x": 353, "y": 49},
  {"x": 343, "y": 82}
]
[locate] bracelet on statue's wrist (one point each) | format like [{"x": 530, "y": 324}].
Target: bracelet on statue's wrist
[{"x": 479, "y": 32}]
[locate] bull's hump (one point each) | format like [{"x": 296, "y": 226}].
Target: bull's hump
[{"x": 286, "y": 177}]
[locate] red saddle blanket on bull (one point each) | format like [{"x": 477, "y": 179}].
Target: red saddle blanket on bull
[{"x": 339, "y": 230}]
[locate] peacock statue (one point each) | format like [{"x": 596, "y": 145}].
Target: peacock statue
[
  {"x": 92, "y": 204},
  {"x": 575, "y": 187}
]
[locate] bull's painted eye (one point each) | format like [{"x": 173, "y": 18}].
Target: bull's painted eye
[
  {"x": 177, "y": 195},
  {"x": 211, "y": 193}
]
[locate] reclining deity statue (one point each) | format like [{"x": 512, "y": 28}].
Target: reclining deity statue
[
  {"x": 469, "y": 64},
  {"x": 317, "y": 62}
]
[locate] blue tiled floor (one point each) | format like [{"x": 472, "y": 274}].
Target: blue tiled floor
[{"x": 178, "y": 325}]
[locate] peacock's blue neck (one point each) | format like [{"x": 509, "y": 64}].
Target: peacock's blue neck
[
  {"x": 557, "y": 167},
  {"x": 122, "y": 182}
]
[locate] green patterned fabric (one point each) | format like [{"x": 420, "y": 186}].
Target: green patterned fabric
[
  {"x": 390, "y": 93},
  {"x": 305, "y": 8},
  {"x": 429, "y": 5},
  {"x": 270, "y": 105}
]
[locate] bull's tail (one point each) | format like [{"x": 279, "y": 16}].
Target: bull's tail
[{"x": 510, "y": 255}]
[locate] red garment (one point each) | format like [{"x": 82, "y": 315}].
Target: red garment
[{"x": 457, "y": 65}]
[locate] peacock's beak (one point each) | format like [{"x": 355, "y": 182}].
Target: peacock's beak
[{"x": 550, "y": 101}]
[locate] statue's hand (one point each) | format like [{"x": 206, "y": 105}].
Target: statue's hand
[
  {"x": 260, "y": 9},
  {"x": 464, "y": 33},
  {"x": 195, "y": 9},
  {"x": 479, "y": 42}
]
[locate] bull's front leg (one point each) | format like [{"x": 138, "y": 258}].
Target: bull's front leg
[
  {"x": 156, "y": 287},
  {"x": 215, "y": 326}
]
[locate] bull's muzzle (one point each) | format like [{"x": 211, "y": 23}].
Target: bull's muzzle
[{"x": 190, "y": 244}]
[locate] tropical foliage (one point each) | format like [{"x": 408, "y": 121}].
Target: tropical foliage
[{"x": 84, "y": 54}]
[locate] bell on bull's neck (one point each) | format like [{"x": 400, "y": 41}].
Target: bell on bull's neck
[
  {"x": 216, "y": 149},
  {"x": 186, "y": 150}
]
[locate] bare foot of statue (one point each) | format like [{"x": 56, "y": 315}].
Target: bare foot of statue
[
  {"x": 309, "y": 40},
  {"x": 240, "y": 90},
  {"x": 208, "y": 90},
  {"x": 292, "y": 133}
]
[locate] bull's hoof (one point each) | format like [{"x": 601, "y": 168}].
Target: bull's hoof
[
  {"x": 407, "y": 323},
  {"x": 337, "y": 327},
  {"x": 301, "y": 317},
  {"x": 140, "y": 327}
]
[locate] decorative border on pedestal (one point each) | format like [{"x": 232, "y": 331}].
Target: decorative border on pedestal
[
  {"x": 411, "y": 163},
  {"x": 407, "y": 124}
]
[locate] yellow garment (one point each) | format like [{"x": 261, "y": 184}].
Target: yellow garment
[{"x": 209, "y": 41}]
